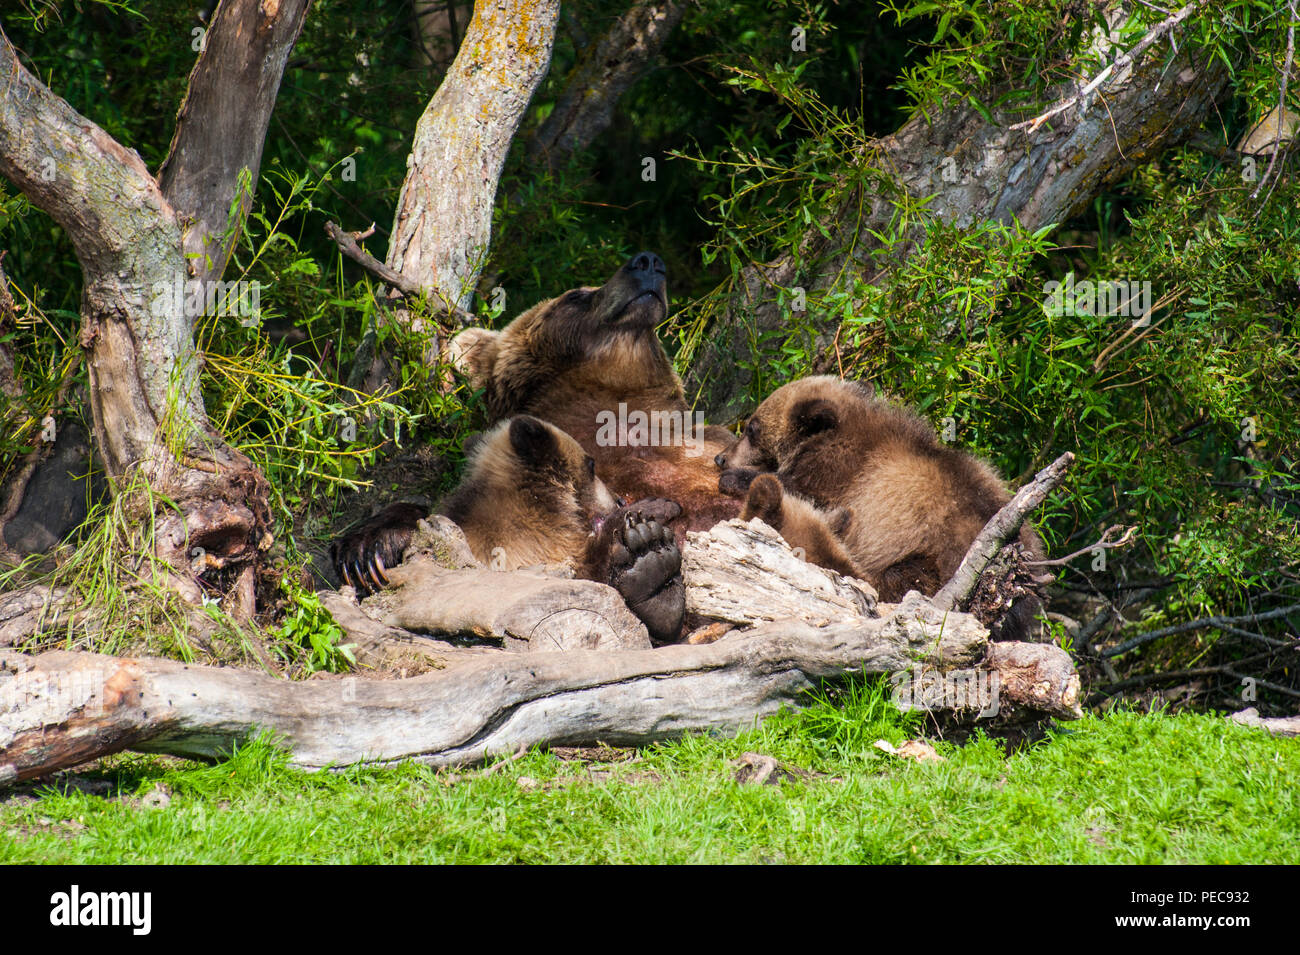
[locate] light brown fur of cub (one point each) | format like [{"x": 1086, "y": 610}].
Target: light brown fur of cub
[
  {"x": 916, "y": 505},
  {"x": 811, "y": 531}
]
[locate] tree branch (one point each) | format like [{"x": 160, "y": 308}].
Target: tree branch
[
  {"x": 1004, "y": 525},
  {"x": 1203, "y": 624},
  {"x": 221, "y": 126},
  {"x": 348, "y": 244},
  {"x": 602, "y": 74},
  {"x": 1118, "y": 65}
]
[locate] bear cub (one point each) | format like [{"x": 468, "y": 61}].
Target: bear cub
[
  {"x": 530, "y": 495},
  {"x": 914, "y": 506}
]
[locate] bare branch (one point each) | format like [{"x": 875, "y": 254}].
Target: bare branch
[
  {"x": 1204, "y": 623},
  {"x": 349, "y": 245},
  {"x": 1117, "y": 65},
  {"x": 1001, "y": 528},
  {"x": 1103, "y": 543},
  {"x": 1280, "y": 146}
]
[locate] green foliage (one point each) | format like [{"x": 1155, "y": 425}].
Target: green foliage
[
  {"x": 1129, "y": 788},
  {"x": 307, "y": 624}
]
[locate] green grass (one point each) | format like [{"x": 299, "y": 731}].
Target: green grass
[{"x": 1127, "y": 787}]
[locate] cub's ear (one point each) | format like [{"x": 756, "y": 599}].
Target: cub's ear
[
  {"x": 474, "y": 353},
  {"x": 532, "y": 441},
  {"x": 813, "y": 416}
]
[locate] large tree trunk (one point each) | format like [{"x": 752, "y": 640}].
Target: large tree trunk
[
  {"x": 1037, "y": 174},
  {"x": 444, "y": 213},
  {"x": 603, "y": 73},
  {"x": 221, "y": 126},
  {"x": 149, "y": 420}
]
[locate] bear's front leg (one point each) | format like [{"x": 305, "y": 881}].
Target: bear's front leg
[
  {"x": 638, "y": 556},
  {"x": 364, "y": 551}
]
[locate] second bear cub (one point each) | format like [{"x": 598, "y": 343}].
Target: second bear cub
[
  {"x": 530, "y": 496},
  {"x": 915, "y": 505}
]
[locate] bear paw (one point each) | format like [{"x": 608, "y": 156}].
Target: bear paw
[
  {"x": 645, "y": 567},
  {"x": 363, "y": 552}
]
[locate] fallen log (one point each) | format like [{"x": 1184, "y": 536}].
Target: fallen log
[
  {"x": 525, "y": 611},
  {"x": 393, "y": 650},
  {"x": 60, "y": 708},
  {"x": 1277, "y": 725},
  {"x": 744, "y": 572}
]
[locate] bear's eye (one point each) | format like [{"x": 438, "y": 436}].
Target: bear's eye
[{"x": 591, "y": 466}]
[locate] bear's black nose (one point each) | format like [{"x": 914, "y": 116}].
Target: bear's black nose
[
  {"x": 646, "y": 262},
  {"x": 720, "y": 460}
]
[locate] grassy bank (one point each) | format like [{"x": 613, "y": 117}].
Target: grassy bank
[{"x": 1126, "y": 787}]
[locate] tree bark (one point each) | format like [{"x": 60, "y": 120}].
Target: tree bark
[
  {"x": 444, "y": 212},
  {"x": 144, "y": 372},
  {"x": 1036, "y": 175},
  {"x": 745, "y": 573},
  {"x": 221, "y": 126},
  {"x": 60, "y": 709},
  {"x": 602, "y": 74}
]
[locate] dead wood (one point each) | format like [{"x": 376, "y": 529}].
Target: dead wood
[
  {"x": 1277, "y": 725},
  {"x": 1001, "y": 528},
  {"x": 59, "y": 709},
  {"x": 526, "y": 611},
  {"x": 745, "y": 573}
]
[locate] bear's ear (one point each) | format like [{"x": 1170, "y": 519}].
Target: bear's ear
[
  {"x": 474, "y": 353},
  {"x": 813, "y": 416},
  {"x": 532, "y": 441}
]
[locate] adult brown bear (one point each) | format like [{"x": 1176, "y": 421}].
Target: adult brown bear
[{"x": 590, "y": 363}]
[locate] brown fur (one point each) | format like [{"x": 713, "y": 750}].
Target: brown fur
[
  {"x": 916, "y": 505},
  {"x": 530, "y": 496},
  {"x": 813, "y": 533},
  {"x": 571, "y": 358}
]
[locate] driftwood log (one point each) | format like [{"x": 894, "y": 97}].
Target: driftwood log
[
  {"x": 60, "y": 709},
  {"x": 796, "y": 625},
  {"x": 1277, "y": 725}
]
